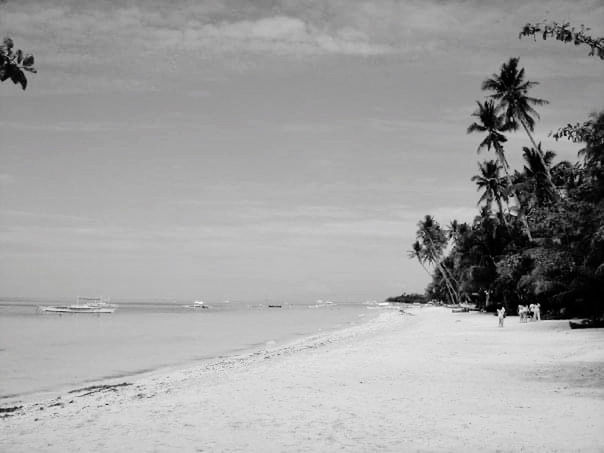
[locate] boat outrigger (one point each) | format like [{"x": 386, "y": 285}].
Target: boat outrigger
[{"x": 83, "y": 305}]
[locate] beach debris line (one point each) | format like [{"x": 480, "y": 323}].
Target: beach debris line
[
  {"x": 100, "y": 388},
  {"x": 9, "y": 411}
]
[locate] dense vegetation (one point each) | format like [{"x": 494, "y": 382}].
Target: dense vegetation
[
  {"x": 539, "y": 234},
  {"x": 408, "y": 298}
]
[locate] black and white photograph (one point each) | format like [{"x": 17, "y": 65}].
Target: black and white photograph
[{"x": 301, "y": 226}]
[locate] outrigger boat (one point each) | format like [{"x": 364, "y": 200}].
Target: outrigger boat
[{"x": 83, "y": 305}]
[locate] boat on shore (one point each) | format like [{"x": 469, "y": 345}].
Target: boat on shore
[
  {"x": 586, "y": 324},
  {"x": 82, "y": 305}
]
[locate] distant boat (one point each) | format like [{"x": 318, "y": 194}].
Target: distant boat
[
  {"x": 324, "y": 302},
  {"x": 83, "y": 305},
  {"x": 198, "y": 304},
  {"x": 275, "y": 306}
]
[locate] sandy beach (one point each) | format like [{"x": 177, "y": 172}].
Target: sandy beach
[{"x": 429, "y": 380}]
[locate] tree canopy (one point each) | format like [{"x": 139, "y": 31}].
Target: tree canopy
[{"x": 544, "y": 242}]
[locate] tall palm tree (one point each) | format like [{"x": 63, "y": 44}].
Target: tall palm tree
[
  {"x": 511, "y": 90},
  {"x": 494, "y": 123},
  {"x": 493, "y": 186}
]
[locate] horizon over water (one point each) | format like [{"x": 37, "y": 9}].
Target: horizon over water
[{"x": 49, "y": 352}]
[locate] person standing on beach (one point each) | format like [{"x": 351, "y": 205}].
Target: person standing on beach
[
  {"x": 501, "y": 315},
  {"x": 537, "y": 312}
]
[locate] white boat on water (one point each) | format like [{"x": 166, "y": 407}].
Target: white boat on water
[
  {"x": 83, "y": 305},
  {"x": 198, "y": 304}
]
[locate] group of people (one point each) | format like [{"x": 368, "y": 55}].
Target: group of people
[
  {"x": 532, "y": 311},
  {"x": 525, "y": 312}
]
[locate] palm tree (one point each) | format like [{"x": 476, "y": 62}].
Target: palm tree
[
  {"x": 493, "y": 123},
  {"x": 511, "y": 89},
  {"x": 418, "y": 252},
  {"x": 432, "y": 241},
  {"x": 453, "y": 229},
  {"x": 536, "y": 169},
  {"x": 492, "y": 185}
]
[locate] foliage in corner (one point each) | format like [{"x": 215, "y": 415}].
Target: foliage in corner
[
  {"x": 565, "y": 33},
  {"x": 14, "y": 63}
]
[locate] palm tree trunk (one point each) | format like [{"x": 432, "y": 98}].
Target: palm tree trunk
[
  {"x": 450, "y": 275},
  {"x": 445, "y": 274},
  {"x": 448, "y": 286},
  {"x": 453, "y": 292},
  {"x": 501, "y": 216}
]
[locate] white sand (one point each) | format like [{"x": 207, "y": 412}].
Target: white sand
[{"x": 434, "y": 381}]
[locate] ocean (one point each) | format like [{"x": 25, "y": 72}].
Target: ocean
[{"x": 48, "y": 352}]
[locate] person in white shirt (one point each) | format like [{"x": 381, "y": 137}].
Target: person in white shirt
[{"x": 501, "y": 315}]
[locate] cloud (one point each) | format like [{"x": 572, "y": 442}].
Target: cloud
[
  {"x": 276, "y": 35},
  {"x": 141, "y": 45}
]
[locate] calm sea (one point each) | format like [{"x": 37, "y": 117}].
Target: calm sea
[{"x": 46, "y": 352}]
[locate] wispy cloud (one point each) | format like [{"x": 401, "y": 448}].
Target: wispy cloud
[{"x": 115, "y": 45}]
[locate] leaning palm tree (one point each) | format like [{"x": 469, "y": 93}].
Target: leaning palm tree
[
  {"x": 432, "y": 241},
  {"x": 418, "y": 252},
  {"x": 493, "y": 186}
]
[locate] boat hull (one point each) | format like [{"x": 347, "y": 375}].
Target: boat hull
[{"x": 52, "y": 309}]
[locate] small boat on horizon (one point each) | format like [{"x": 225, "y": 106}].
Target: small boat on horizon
[
  {"x": 198, "y": 304},
  {"x": 82, "y": 305}
]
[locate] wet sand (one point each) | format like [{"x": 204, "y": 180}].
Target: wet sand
[{"x": 430, "y": 381}]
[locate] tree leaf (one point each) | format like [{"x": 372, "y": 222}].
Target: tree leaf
[
  {"x": 28, "y": 60},
  {"x": 8, "y": 43}
]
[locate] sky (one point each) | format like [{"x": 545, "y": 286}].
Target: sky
[{"x": 257, "y": 150}]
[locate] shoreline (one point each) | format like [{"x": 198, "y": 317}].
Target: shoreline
[
  {"x": 436, "y": 381},
  {"x": 176, "y": 348},
  {"x": 244, "y": 355}
]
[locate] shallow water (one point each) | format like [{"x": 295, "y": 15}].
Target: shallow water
[{"x": 48, "y": 352}]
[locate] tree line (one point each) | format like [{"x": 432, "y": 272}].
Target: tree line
[{"x": 538, "y": 236}]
